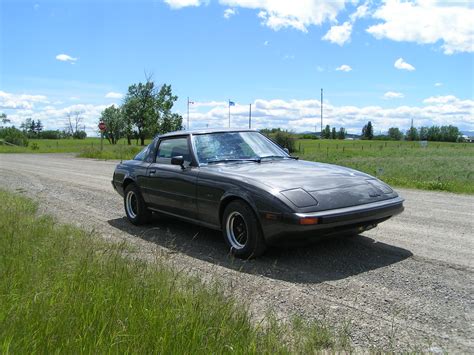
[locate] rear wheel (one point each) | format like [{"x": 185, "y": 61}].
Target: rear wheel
[
  {"x": 135, "y": 206},
  {"x": 242, "y": 231}
]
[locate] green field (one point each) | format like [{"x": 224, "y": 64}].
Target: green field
[
  {"x": 76, "y": 146},
  {"x": 438, "y": 166},
  {"x": 63, "y": 290}
]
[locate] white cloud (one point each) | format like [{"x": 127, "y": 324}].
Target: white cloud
[
  {"x": 291, "y": 14},
  {"x": 178, "y": 4},
  {"x": 438, "y": 84},
  {"x": 303, "y": 115},
  {"x": 427, "y": 22},
  {"x": 266, "y": 43},
  {"x": 401, "y": 64},
  {"x": 393, "y": 95},
  {"x": 339, "y": 34},
  {"x": 55, "y": 118},
  {"x": 65, "y": 58},
  {"x": 113, "y": 95},
  {"x": 24, "y": 102},
  {"x": 344, "y": 67},
  {"x": 228, "y": 13},
  {"x": 209, "y": 104},
  {"x": 361, "y": 12},
  {"x": 441, "y": 100}
]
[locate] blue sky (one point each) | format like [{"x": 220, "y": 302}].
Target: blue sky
[{"x": 386, "y": 62}]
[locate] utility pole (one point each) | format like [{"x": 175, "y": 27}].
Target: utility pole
[
  {"x": 229, "y": 113},
  {"x": 192, "y": 103},
  {"x": 321, "y": 113},
  {"x": 187, "y": 126},
  {"x": 250, "y": 117}
]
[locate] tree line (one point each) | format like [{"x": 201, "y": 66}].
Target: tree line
[
  {"x": 144, "y": 113},
  {"x": 329, "y": 133},
  {"x": 434, "y": 133}
]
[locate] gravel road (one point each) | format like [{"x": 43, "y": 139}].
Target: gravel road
[{"x": 406, "y": 285}]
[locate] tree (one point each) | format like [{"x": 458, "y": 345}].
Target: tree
[
  {"x": 146, "y": 107},
  {"x": 4, "y": 119},
  {"x": 412, "y": 134},
  {"x": 139, "y": 107},
  {"x": 434, "y": 133},
  {"x": 26, "y": 125},
  {"x": 32, "y": 127},
  {"x": 38, "y": 127},
  {"x": 424, "y": 133},
  {"x": 341, "y": 134},
  {"x": 171, "y": 122},
  {"x": 368, "y": 131},
  {"x": 395, "y": 133},
  {"x": 333, "y": 133},
  {"x": 116, "y": 124},
  {"x": 74, "y": 120},
  {"x": 450, "y": 133},
  {"x": 327, "y": 132}
]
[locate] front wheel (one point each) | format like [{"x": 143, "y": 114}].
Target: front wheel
[
  {"x": 135, "y": 206},
  {"x": 242, "y": 231}
]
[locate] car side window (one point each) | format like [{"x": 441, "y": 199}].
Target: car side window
[{"x": 173, "y": 147}]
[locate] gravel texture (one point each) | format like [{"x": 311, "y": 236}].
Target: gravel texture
[{"x": 406, "y": 285}]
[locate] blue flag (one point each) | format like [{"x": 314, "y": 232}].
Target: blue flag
[{"x": 231, "y": 103}]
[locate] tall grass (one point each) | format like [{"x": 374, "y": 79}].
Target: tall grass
[
  {"x": 64, "y": 291},
  {"x": 437, "y": 166}
]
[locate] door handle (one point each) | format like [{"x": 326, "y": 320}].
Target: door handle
[{"x": 152, "y": 172}]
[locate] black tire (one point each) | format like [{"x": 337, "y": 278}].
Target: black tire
[
  {"x": 242, "y": 232},
  {"x": 135, "y": 207}
]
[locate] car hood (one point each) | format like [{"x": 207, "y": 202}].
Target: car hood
[
  {"x": 290, "y": 174},
  {"x": 307, "y": 184}
]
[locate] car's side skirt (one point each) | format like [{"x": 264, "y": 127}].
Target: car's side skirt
[{"x": 187, "y": 219}]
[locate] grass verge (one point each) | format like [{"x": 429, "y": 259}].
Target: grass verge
[
  {"x": 63, "y": 290},
  {"x": 437, "y": 166}
]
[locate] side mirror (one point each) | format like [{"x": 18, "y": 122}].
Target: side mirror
[
  {"x": 178, "y": 160},
  {"x": 286, "y": 151}
]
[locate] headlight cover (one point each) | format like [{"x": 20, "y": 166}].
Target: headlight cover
[
  {"x": 380, "y": 185},
  {"x": 300, "y": 198}
]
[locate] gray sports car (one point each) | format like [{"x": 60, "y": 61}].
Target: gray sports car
[{"x": 242, "y": 183}]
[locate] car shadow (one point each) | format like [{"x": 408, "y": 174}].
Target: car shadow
[{"x": 330, "y": 259}]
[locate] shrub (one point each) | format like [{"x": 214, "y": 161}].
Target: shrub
[
  {"x": 14, "y": 136},
  {"x": 50, "y": 134},
  {"x": 79, "y": 135},
  {"x": 285, "y": 139}
]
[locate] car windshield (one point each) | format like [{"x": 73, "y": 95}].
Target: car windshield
[{"x": 235, "y": 146}]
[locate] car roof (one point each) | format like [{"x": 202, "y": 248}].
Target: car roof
[{"x": 204, "y": 131}]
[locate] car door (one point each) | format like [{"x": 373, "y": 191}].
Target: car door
[{"x": 172, "y": 188}]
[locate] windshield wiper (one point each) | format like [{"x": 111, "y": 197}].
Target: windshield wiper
[
  {"x": 257, "y": 160},
  {"x": 279, "y": 156},
  {"x": 272, "y": 156}
]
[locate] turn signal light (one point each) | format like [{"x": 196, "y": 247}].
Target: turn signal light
[{"x": 309, "y": 220}]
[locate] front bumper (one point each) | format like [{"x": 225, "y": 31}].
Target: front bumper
[{"x": 353, "y": 219}]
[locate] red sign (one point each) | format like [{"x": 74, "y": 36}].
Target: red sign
[{"x": 102, "y": 126}]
